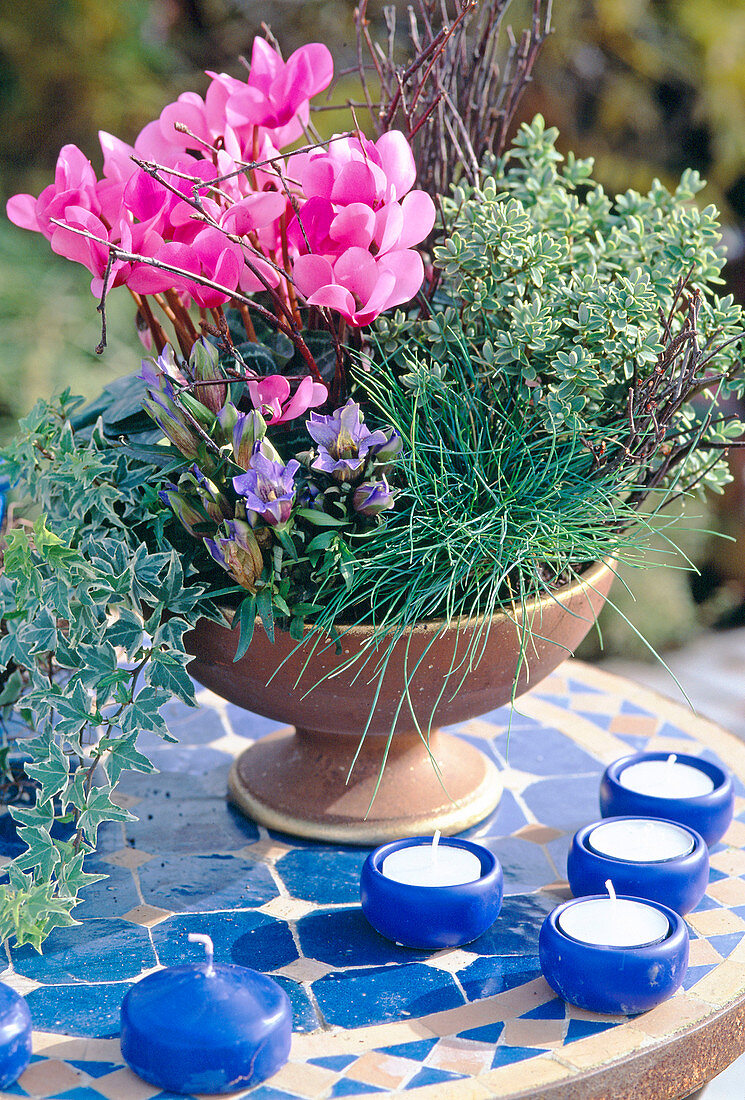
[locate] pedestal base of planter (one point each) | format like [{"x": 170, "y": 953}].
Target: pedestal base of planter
[{"x": 298, "y": 782}]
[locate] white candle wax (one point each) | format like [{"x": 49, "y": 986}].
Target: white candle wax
[
  {"x": 432, "y": 865},
  {"x": 666, "y": 779},
  {"x": 641, "y": 840},
  {"x": 614, "y": 922}
]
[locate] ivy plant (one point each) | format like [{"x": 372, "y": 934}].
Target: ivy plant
[{"x": 89, "y": 651}]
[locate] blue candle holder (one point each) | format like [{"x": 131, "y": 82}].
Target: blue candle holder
[
  {"x": 708, "y": 814},
  {"x": 679, "y": 882},
  {"x": 431, "y": 917},
  {"x": 207, "y": 1028},
  {"x": 15, "y": 1036},
  {"x": 613, "y": 980}
]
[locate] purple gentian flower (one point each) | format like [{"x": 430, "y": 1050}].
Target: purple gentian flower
[
  {"x": 268, "y": 488},
  {"x": 372, "y": 497},
  {"x": 345, "y": 443}
]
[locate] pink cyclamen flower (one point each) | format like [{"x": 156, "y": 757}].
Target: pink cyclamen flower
[
  {"x": 74, "y": 185},
  {"x": 270, "y": 396},
  {"x": 356, "y": 230},
  {"x": 277, "y": 93},
  {"x": 359, "y": 286}
]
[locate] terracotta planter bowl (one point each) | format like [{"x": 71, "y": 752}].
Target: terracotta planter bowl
[{"x": 298, "y": 781}]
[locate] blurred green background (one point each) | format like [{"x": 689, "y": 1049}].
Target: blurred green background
[{"x": 646, "y": 86}]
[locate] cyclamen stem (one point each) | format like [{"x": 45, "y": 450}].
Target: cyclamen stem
[{"x": 289, "y": 330}]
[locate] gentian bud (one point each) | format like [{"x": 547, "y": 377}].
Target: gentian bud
[
  {"x": 190, "y": 516},
  {"x": 205, "y": 365},
  {"x": 250, "y": 429},
  {"x": 372, "y": 497},
  {"x": 238, "y": 552}
]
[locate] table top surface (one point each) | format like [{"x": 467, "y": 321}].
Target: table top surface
[{"x": 371, "y": 1017}]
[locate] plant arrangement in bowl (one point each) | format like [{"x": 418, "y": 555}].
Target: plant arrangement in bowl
[{"x": 406, "y": 397}]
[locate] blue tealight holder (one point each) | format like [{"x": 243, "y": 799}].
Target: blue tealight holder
[
  {"x": 613, "y": 980},
  {"x": 431, "y": 917},
  {"x": 678, "y": 881},
  {"x": 205, "y": 1028},
  {"x": 708, "y": 814},
  {"x": 15, "y": 1036}
]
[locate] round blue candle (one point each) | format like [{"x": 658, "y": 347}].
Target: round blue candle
[
  {"x": 205, "y": 1027},
  {"x": 613, "y": 979},
  {"x": 15, "y": 1036},
  {"x": 431, "y": 917},
  {"x": 709, "y": 814},
  {"x": 679, "y": 881}
]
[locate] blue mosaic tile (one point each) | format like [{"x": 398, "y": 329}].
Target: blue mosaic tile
[
  {"x": 248, "y": 725},
  {"x": 548, "y": 752},
  {"x": 715, "y": 875},
  {"x": 431, "y": 1076},
  {"x": 627, "y": 707},
  {"x": 555, "y": 806},
  {"x": 266, "y": 1092},
  {"x": 93, "y": 1069},
  {"x": 488, "y": 976},
  {"x": 603, "y": 721},
  {"x": 343, "y": 937},
  {"x": 177, "y": 815},
  {"x": 524, "y": 864},
  {"x": 725, "y": 945},
  {"x": 380, "y": 994},
  {"x": 337, "y": 1062},
  {"x": 487, "y": 1033},
  {"x": 327, "y": 876},
  {"x": 551, "y": 1010},
  {"x": 558, "y": 850},
  {"x": 580, "y": 685},
  {"x": 695, "y": 974},
  {"x": 112, "y": 897},
  {"x": 201, "y": 883},
  {"x": 506, "y": 819},
  {"x": 348, "y": 1087},
  {"x": 304, "y": 1016},
  {"x": 188, "y": 759},
  {"x": 505, "y": 1056},
  {"x": 417, "y": 1051},
  {"x": 667, "y": 729},
  {"x": 707, "y": 903},
  {"x": 83, "y": 1010},
  {"x": 97, "y": 950},
  {"x": 80, "y": 1093},
  {"x": 517, "y": 927},
  {"x": 634, "y": 741},
  {"x": 581, "y": 1029},
  {"x": 551, "y": 697},
  {"x": 247, "y": 937}
]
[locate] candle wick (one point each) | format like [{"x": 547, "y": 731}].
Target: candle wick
[
  {"x": 611, "y": 890},
  {"x": 209, "y": 949},
  {"x": 434, "y": 850}
]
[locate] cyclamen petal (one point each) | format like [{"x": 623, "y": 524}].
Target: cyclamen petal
[
  {"x": 21, "y": 209},
  {"x": 398, "y": 161}
]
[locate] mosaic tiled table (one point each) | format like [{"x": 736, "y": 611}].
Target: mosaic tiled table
[{"x": 371, "y": 1017}]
